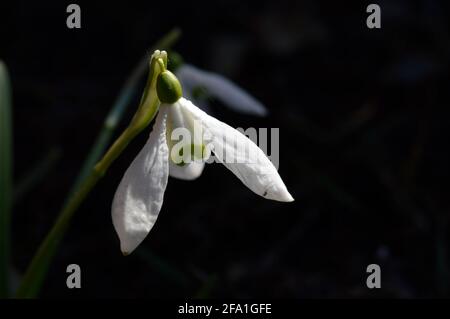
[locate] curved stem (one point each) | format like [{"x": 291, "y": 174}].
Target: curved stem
[
  {"x": 127, "y": 92},
  {"x": 35, "y": 273},
  {"x": 147, "y": 110}
]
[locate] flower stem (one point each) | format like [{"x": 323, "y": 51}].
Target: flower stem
[
  {"x": 39, "y": 265},
  {"x": 36, "y": 271},
  {"x": 127, "y": 92}
]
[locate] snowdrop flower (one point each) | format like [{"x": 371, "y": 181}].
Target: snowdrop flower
[
  {"x": 140, "y": 194},
  {"x": 216, "y": 86},
  {"x": 198, "y": 85}
]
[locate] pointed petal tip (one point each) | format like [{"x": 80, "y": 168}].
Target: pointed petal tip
[
  {"x": 129, "y": 242},
  {"x": 285, "y": 197},
  {"x": 279, "y": 194},
  {"x": 264, "y": 113},
  {"x": 290, "y": 199},
  {"x": 126, "y": 251},
  {"x": 261, "y": 111}
]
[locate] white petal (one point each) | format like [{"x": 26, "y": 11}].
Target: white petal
[
  {"x": 139, "y": 197},
  {"x": 187, "y": 172},
  {"x": 241, "y": 156},
  {"x": 221, "y": 88}
]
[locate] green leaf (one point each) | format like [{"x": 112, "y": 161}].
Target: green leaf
[{"x": 6, "y": 161}]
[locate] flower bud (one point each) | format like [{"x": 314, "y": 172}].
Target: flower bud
[{"x": 168, "y": 87}]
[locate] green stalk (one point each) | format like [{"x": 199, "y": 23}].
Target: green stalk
[
  {"x": 6, "y": 163},
  {"x": 35, "y": 274},
  {"x": 116, "y": 112}
]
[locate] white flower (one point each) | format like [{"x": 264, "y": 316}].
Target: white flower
[
  {"x": 218, "y": 87},
  {"x": 139, "y": 197}
]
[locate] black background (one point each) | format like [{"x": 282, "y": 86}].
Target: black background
[{"x": 364, "y": 122}]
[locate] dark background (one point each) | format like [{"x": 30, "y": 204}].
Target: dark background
[{"x": 364, "y": 126}]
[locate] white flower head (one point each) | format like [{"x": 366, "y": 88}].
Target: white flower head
[{"x": 140, "y": 194}]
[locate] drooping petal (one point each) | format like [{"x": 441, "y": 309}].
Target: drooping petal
[
  {"x": 241, "y": 156},
  {"x": 221, "y": 88},
  {"x": 139, "y": 197},
  {"x": 187, "y": 172}
]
